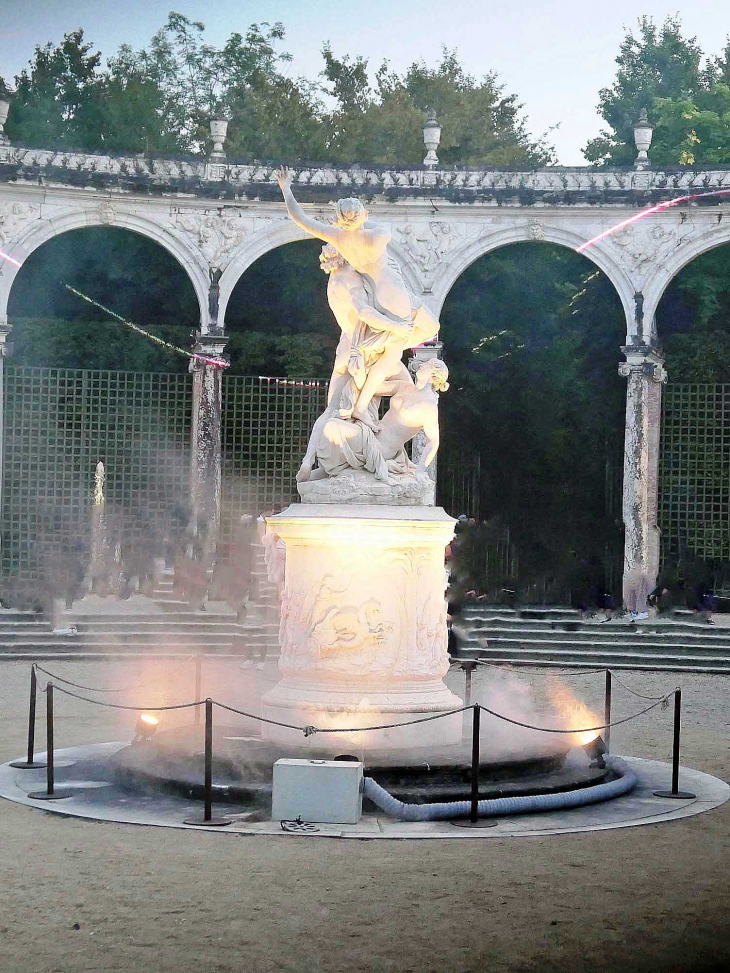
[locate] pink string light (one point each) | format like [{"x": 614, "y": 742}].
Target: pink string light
[
  {"x": 666, "y": 204},
  {"x": 206, "y": 359},
  {"x": 12, "y": 260}
]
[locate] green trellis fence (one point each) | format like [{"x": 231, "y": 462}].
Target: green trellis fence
[
  {"x": 694, "y": 481},
  {"x": 58, "y": 423}
]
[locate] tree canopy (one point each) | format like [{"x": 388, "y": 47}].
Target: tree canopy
[
  {"x": 160, "y": 99},
  {"x": 686, "y": 95}
]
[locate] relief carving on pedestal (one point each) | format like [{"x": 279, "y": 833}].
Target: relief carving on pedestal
[
  {"x": 420, "y": 613},
  {"x": 322, "y": 631}
]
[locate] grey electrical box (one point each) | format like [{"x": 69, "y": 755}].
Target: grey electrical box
[{"x": 324, "y": 791}]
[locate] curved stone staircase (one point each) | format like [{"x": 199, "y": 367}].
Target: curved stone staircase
[
  {"x": 558, "y": 637},
  {"x": 163, "y": 625}
]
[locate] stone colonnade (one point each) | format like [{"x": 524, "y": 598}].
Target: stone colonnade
[{"x": 217, "y": 219}]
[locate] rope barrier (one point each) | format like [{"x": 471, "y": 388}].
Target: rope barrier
[
  {"x": 263, "y": 719},
  {"x": 574, "y": 672},
  {"x": 549, "y": 672},
  {"x": 310, "y": 730},
  {"x": 125, "y": 689},
  {"x": 135, "y": 709},
  {"x": 633, "y": 691},
  {"x": 584, "y": 729}
]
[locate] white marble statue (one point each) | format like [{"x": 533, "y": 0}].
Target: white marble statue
[
  {"x": 358, "y": 465},
  {"x": 380, "y": 299},
  {"x": 378, "y": 320},
  {"x": 413, "y": 407}
]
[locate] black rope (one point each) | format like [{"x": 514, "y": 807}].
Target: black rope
[
  {"x": 548, "y": 672},
  {"x": 311, "y": 730},
  {"x": 386, "y": 726},
  {"x": 584, "y": 729},
  {"x": 136, "y": 709},
  {"x": 633, "y": 691},
  {"x": 262, "y": 719},
  {"x": 94, "y": 689}
]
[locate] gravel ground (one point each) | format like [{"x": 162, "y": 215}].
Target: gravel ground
[{"x": 83, "y": 896}]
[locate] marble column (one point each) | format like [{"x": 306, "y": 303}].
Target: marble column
[
  {"x": 205, "y": 465},
  {"x": 645, "y": 374}
]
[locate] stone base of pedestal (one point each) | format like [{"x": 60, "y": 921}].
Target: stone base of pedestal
[
  {"x": 328, "y": 709},
  {"x": 363, "y": 627}
]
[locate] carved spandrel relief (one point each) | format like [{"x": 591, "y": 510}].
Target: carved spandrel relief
[
  {"x": 13, "y": 216},
  {"x": 428, "y": 243},
  {"x": 646, "y": 245},
  {"x": 216, "y": 234}
]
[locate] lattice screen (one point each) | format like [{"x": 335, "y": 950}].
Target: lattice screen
[
  {"x": 694, "y": 483},
  {"x": 58, "y": 424},
  {"x": 266, "y": 425}
]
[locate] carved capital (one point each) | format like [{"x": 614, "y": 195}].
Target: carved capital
[{"x": 652, "y": 368}]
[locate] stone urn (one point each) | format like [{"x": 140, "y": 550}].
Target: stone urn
[
  {"x": 218, "y": 131},
  {"x": 4, "y": 109}
]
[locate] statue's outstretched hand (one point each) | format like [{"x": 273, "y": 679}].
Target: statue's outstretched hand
[{"x": 284, "y": 177}]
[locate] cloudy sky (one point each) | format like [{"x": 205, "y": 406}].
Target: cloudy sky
[{"x": 554, "y": 54}]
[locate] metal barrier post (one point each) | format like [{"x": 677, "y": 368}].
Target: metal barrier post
[
  {"x": 476, "y": 727},
  {"x": 207, "y": 819},
  {"x": 468, "y": 667},
  {"x": 198, "y": 684},
  {"x": 31, "y": 763},
  {"x": 474, "y": 821},
  {"x": 675, "y": 792},
  {"x": 50, "y": 793},
  {"x": 607, "y": 711}
]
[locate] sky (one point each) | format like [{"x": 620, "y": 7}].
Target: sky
[{"x": 555, "y": 56}]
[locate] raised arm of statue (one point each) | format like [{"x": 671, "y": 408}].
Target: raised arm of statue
[{"x": 323, "y": 231}]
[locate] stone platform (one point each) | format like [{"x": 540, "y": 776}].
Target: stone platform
[
  {"x": 86, "y": 772},
  {"x": 243, "y": 764}
]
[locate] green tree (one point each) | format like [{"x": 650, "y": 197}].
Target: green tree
[
  {"x": 534, "y": 390},
  {"x": 481, "y": 124},
  {"x": 272, "y": 115},
  {"x": 57, "y": 98},
  {"x": 653, "y": 63}
]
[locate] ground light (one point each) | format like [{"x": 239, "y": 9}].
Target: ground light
[
  {"x": 145, "y": 729},
  {"x": 595, "y": 749}
]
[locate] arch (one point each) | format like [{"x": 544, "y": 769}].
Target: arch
[
  {"x": 677, "y": 261},
  {"x": 282, "y": 232},
  {"x": 464, "y": 256},
  {"x": 41, "y": 231}
]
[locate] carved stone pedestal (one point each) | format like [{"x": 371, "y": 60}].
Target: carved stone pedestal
[{"x": 363, "y": 627}]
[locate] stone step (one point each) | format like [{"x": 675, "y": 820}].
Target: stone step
[
  {"x": 75, "y": 644},
  {"x": 643, "y": 655},
  {"x": 646, "y": 644},
  {"x": 575, "y": 660},
  {"x": 697, "y": 634}
]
